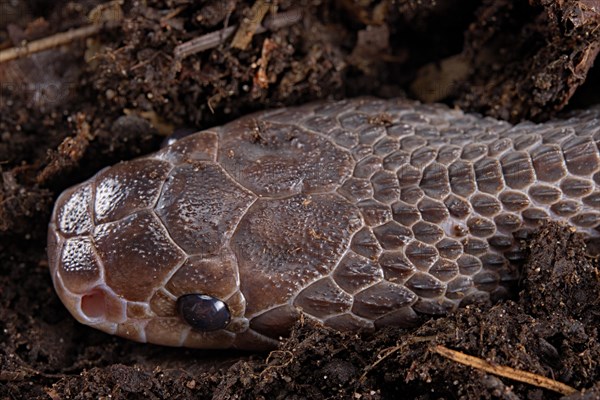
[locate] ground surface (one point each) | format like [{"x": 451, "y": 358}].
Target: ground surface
[{"x": 68, "y": 111}]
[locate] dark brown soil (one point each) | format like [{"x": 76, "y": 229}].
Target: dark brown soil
[{"x": 68, "y": 111}]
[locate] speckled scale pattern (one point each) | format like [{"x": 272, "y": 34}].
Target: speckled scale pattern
[{"x": 360, "y": 213}]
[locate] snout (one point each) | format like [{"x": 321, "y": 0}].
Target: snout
[{"x": 76, "y": 269}]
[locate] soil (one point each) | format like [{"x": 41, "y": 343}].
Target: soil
[{"x": 70, "y": 110}]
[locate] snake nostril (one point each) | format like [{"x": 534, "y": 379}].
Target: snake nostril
[
  {"x": 93, "y": 304},
  {"x": 203, "y": 312}
]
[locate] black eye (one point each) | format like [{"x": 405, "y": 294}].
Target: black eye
[{"x": 202, "y": 312}]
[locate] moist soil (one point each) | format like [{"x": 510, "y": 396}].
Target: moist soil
[{"x": 67, "y": 111}]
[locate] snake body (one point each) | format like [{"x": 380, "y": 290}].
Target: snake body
[{"x": 360, "y": 214}]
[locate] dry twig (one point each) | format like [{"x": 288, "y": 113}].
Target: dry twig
[
  {"x": 248, "y": 26},
  {"x": 110, "y": 13},
  {"x": 49, "y": 42},
  {"x": 214, "y": 39},
  {"x": 505, "y": 372}
]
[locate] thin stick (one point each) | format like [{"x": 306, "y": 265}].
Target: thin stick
[
  {"x": 48, "y": 42},
  {"x": 214, "y": 39},
  {"x": 204, "y": 42},
  {"x": 383, "y": 354},
  {"x": 248, "y": 26},
  {"x": 506, "y": 372}
]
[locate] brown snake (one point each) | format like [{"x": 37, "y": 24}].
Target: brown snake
[{"x": 360, "y": 214}]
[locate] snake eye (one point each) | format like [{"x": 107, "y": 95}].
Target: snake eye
[{"x": 203, "y": 312}]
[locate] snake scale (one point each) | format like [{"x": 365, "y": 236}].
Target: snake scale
[{"x": 361, "y": 213}]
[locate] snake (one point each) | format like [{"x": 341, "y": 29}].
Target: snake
[{"x": 359, "y": 214}]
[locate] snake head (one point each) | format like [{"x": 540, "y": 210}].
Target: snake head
[{"x": 133, "y": 254}]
